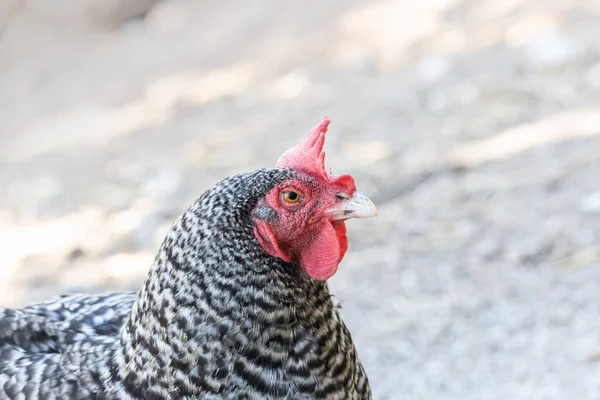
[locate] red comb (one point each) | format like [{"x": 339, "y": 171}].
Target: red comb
[{"x": 308, "y": 155}]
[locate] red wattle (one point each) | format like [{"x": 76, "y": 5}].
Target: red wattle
[
  {"x": 340, "y": 230},
  {"x": 320, "y": 258}
]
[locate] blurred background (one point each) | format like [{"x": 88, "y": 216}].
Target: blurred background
[{"x": 473, "y": 125}]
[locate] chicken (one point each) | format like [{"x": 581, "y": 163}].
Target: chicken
[{"x": 235, "y": 306}]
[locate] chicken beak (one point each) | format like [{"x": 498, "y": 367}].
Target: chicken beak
[{"x": 358, "y": 206}]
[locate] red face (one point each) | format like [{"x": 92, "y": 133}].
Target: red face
[
  {"x": 304, "y": 219},
  {"x": 301, "y": 223}
]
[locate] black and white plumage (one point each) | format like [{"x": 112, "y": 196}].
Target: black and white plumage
[{"x": 216, "y": 318}]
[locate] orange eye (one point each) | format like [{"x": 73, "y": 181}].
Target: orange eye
[{"x": 291, "y": 197}]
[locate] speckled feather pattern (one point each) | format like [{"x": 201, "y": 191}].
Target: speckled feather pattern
[{"x": 216, "y": 318}]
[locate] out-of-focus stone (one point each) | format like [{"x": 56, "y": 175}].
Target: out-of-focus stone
[
  {"x": 590, "y": 204},
  {"x": 553, "y": 50},
  {"x": 433, "y": 68}
]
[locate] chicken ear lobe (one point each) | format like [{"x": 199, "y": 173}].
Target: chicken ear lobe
[
  {"x": 265, "y": 236},
  {"x": 320, "y": 257}
]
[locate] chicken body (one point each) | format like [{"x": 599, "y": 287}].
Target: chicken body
[{"x": 216, "y": 318}]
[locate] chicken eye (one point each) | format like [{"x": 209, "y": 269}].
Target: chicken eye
[{"x": 291, "y": 197}]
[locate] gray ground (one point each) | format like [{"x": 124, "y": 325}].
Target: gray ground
[{"x": 474, "y": 125}]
